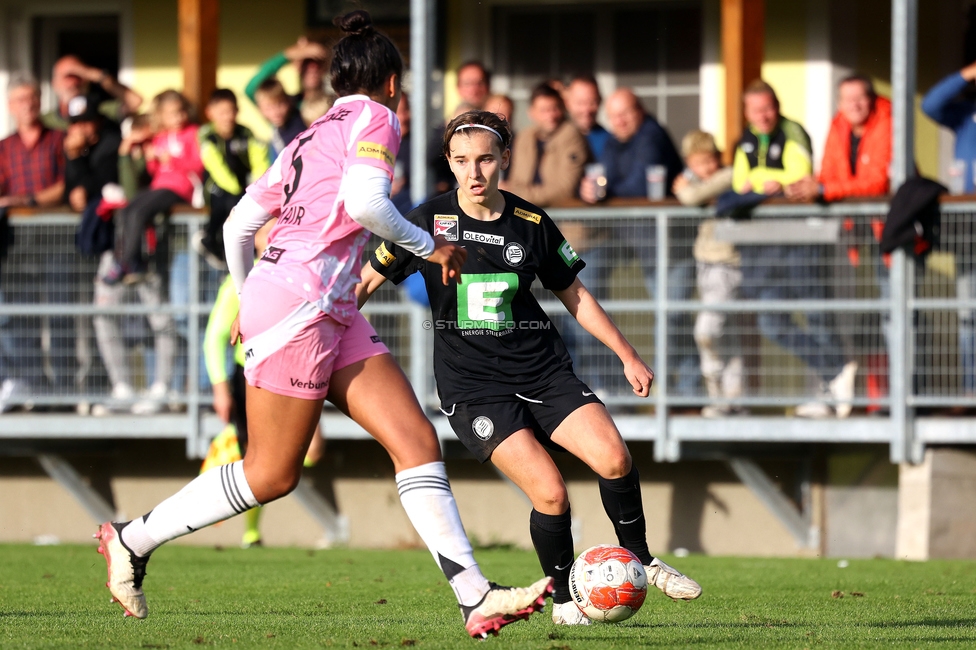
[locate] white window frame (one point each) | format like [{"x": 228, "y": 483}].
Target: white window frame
[{"x": 16, "y": 20}]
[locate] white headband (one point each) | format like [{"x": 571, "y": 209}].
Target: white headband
[{"x": 480, "y": 126}]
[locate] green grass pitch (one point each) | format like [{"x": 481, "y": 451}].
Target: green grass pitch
[{"x": 53, "y": 597}]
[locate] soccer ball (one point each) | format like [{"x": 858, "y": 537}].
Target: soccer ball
[{"x": 608, "y": 583}]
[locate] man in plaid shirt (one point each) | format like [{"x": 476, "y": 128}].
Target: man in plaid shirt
[
  {"x": 32, "y": 174},
  {"x": 32, "y": 158}
]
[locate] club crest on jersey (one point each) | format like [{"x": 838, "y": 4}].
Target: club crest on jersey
[
  {"x": 483, "y": 427},
  {"x": 484, "y": 238},
  {"x": 384, "y": 256},
  {"x": 514, "y": 254},
  {"x": 446, "y": 225},
  {"x": 528, "y": 216},
  {"x": 375, "y": 150}
]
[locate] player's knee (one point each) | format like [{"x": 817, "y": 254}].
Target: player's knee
[
  {"x": 553, "y": 499},
  {"x": 268, "y": 484},
  {"x": 616, "y": 464},
  {"x": 419, "y": 446}
]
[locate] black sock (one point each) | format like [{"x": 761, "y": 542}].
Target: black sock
[
  {"x": 622, "y": 501},
  {"x": 552, "y": 536}
]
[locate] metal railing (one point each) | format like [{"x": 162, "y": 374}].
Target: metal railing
[{"x": 789, "y": 298}]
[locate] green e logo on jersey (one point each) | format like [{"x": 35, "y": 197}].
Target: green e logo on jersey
[
  {"x": 567, "y": 253},
  {"x": 485, "y": 300}
]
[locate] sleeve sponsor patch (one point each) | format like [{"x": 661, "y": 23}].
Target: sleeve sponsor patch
[
  {"x": 528, "y": 216},
  {"x": 567, "y": 253},
  {"x": 384, "y": 256},
  {"x": 375, "y": 150}
]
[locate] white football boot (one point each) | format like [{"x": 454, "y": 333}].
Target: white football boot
[
  {"x": 125, "y": 570},
  {"x": 568, "y": 614},
  {"x": 672, "y": 582},
  {"x": 504, "y": 605}
]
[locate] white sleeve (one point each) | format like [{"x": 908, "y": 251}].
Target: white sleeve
[
  {"x": 366, "y": 192},
  {"x": 245, "y": 219}
]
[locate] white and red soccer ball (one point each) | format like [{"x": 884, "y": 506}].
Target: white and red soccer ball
[{"x": 608, "y": 583}]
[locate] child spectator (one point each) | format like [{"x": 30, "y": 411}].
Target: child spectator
[
  {"x": 718, "y": 275},
  {"x": 310, "y": 58},
  {"x": 133, "y": 152},
  {"x": 232, "y": 158},
  {"x": 277, "y": 107},
  {"x": 173, "y": 162}
]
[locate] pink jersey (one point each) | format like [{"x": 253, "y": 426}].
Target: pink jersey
[
  {"x": 315, "y": 248},
  {"x": 177, "y": 164}
]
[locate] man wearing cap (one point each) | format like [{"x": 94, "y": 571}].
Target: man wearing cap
[{"x": 91, "y": 147}]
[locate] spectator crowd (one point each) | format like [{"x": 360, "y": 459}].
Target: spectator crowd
[{"x": 120, "y": 169}]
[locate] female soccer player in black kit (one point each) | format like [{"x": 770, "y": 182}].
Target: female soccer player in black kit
[{"x": 505, "y": 379}]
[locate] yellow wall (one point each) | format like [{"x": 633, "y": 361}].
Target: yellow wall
[
  {"x": 784, "y": 66},
  {"x": 249, "y": 34}
]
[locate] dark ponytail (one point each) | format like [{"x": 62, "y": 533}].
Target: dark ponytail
[{"x": 364, "y": 58}]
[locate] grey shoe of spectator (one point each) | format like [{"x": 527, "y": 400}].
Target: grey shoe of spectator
[
  {"x": 841, "y": 389},
  {"x": 119, "y": 402},
  {"x": 152, "y": 402},
  {"x": 814, "y": 411},
  {"x": 12, "y": 392},
  {"x": 713, "y": 411}
]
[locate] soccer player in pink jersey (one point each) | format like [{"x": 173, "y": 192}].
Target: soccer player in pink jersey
[{"x": 305, "y": 340}]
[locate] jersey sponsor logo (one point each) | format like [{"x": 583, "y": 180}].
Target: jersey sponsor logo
[
  {"x": 446, "y": 225},
  {"x": 567, "y": 253},
  {"x": 375, "y": 150},
  {"x": 308, "y": 385},
  {"x": 514, "y": 254},
  {"x": 528, "y": 216},
  {"x": 384, "y": 256},
  {"x": 483, "y": 238},
  {"x": 485, "y": 301},
  {"x": 483, "y": 427},
  {"x": 375, "y": 338},
  {"x": 272, "y": 254},
  {"x": 248, "y": 354}
]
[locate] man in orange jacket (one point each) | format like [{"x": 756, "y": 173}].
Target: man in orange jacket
[
  {"x": 858, "y": 150},
  {"x": 856, "y": 160}
]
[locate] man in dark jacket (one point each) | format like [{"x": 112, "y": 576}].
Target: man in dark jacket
[
  {"x": 639, "y": 141},
  {"x": 91, "y": 147}
]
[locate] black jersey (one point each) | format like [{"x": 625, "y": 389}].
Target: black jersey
[{"x": 491, "y": 337}]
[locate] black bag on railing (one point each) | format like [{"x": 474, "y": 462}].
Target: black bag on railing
[
  {"x": 95, "y": 234},
  {"x": 914, "y": 220}
]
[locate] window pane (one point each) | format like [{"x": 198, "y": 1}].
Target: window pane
[
  {"x": 682, "y": 28},
  {"x": 682, "y": 116},
  {"x": 636, "y": 47},
  {"x": 529, "y": 48},
  {"x": 577, "y": 44}
]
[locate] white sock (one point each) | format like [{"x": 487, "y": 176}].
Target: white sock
[
  {"x": 215, "y": 495},
  {"x": 426, "y": 496}
]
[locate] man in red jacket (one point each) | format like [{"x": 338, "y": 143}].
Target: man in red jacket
[
  {"x": 858, "y": 150},
  {"x": 856, "y": 160}
]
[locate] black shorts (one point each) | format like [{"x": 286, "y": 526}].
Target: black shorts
[{"x": 484, "y": 422}]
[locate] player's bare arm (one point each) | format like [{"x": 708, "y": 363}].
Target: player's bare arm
[
  {"x": 370, "y": 281},
  {"x": 591, "y": 316}
]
